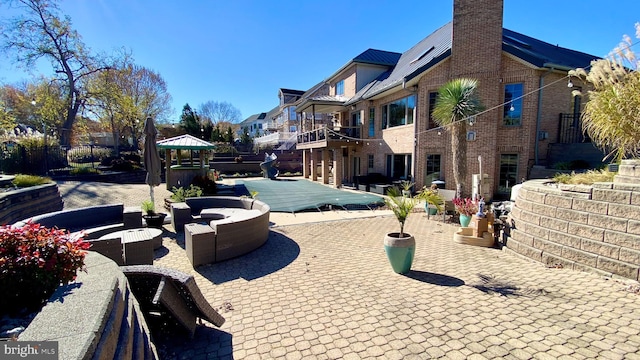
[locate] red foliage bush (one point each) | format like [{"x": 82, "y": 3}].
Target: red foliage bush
[{"x": 34, "y": 261}]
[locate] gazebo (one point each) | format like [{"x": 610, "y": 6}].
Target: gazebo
[{"x": 181, "y": 174}]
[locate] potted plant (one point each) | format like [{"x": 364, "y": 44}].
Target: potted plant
[
  {"x": 400, "y": 246},
  {"x": 466, "y": 207},
  {"x": 433, "y": 201},
  {"x": 406, "y": 187},
  {"x": 151, "y": 217}
]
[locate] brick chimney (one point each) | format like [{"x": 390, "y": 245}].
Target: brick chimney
[{"x": 477, "y": 37}]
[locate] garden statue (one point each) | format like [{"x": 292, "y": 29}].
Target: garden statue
[{"x": 268, "y": 168}]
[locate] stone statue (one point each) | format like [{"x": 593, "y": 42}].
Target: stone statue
[{"x": 480, "y": 213}]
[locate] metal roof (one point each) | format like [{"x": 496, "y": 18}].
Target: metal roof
[
  {"x": 378, "y": 57},
  {"x": 436, "y": 47},
  {"x": 185, "y": 142},
  {"x": 542, "y": 54},
  {"x": 423, "y": 53}
]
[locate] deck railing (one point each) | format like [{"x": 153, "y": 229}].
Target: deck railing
[
  {"x": 570, "y": 129},
  {"x": 337, "y": 133}
]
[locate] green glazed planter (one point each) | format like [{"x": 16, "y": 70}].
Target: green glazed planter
[
  {"x": 465, "y": 220},
  {"x": 400, "y": 251},
  {"x": 430, "y": 210}
]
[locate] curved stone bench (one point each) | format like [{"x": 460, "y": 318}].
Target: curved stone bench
[
  {"x": 94, "y": 222},
  {"x": 223, "y": 233}
]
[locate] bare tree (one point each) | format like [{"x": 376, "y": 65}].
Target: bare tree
[
  {"x": 40, "y": 33},
  {"x": 217, "y": 112},
  {"x": 125, "y": 95}
]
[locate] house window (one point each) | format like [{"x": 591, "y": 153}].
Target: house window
[
  {"x": 340, "y": 87},
  {"x": 399, "y": 112},
  {"x": 433, "y": 168},
  {"x": 399, "y": 166},
  {"x": 292, "y": 113},
  {"x": 512, "y": 105},
  {"x": 372, "y": 122},
  {"x": 383, "y": 124},
  {"x": 370, "y": 161},
  {"x": 508, "y": 172},
  {"x": 432, "y": 105},
  {"x": 471, "y": 136}
]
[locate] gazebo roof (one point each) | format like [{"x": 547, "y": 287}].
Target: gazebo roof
[{"x": 185, "y": 142}]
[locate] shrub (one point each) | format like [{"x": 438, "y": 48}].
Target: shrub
[
  {"x": 205, "y": 183},
  {"x": 587, "y": 178},
  {"x": 83, "y": 170},
  {"x": 123, "y": 165},
  {"x": 34, "y": 261},
  {"x": 22, "y": 180},
  {"x": 179, "y": 194},
  {"x": 132, "y": 157}
]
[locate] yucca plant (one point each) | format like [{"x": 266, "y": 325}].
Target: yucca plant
[{"x": 456, "y": 101}]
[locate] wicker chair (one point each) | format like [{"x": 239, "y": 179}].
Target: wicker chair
[{"x": 167, "y": 292}]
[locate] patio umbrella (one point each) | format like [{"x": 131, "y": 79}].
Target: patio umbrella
[{"x": 152, "y": 161}]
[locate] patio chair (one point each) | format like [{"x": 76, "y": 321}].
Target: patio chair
[{"x": 165, "y": 292}]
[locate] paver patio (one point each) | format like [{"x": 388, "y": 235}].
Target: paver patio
[{"x": 325, "y": 290}]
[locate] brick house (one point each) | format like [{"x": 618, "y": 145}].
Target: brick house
[{"x": 382, "y": 108}]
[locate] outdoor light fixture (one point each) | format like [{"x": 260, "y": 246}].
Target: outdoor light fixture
[
  {"x": 512, "y": 108},
  {"x": 33, "y": 102},
  {"x": 569, "y": 83}
]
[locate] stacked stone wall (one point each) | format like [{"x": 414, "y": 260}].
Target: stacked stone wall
[{"x": 589, "y": 228}]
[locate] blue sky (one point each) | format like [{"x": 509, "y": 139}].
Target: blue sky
[{"x": 243, "y": 51}]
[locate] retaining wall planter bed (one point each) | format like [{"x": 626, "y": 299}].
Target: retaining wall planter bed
[
  {"x": 96, "y": 317},
  {"x": 590, "y": 228},
  {"x": 27, "y": 202}
]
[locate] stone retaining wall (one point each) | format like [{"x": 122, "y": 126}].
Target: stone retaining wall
[
  {"x": 589, "y": 228},
  {"x": 24, "y": 203},
  {"x": 95, "y": 317}
]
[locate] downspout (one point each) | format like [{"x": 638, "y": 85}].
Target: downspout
[{"x": 539, "y": 115}]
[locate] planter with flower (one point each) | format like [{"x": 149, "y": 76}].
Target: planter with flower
[
  {"x": 34, "y": 261},
  {"x": 466, "y": 207},
  {"x": 400, "y": 246}
]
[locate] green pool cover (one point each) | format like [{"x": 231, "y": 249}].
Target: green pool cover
[{"x": 295, "y": 195}]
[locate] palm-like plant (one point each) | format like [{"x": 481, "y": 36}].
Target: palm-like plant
[
  {"x": 456, "y": 101},
  {"x": 400, "y": 205}
]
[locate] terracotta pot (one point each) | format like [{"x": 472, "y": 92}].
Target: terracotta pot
[{"x": 400, "y": 251}]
